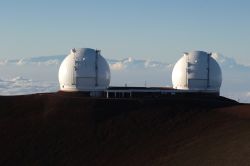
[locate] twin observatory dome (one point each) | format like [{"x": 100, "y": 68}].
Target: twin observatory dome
[{"x": 86, "y": 70}]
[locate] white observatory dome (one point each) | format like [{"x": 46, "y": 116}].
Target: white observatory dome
[
  {"x": 84, "y": 69},
  {"x": 197, "y": 70}
]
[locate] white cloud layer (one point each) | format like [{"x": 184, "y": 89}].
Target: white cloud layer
[
  {"x": 20, "y": 85},
  {"x": 130, "y": 63}
]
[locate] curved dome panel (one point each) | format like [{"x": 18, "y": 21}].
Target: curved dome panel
[
  {"x": 197, "y": 70},
  {"x": 84, "y": 69}
]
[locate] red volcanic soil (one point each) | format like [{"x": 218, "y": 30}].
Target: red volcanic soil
[{"x": 57, "y": 129}]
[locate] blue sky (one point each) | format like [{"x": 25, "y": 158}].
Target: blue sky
[{"x": 148, "y": 29}]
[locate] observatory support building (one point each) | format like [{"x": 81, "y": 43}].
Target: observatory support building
[{"x": 84, "y": 70}]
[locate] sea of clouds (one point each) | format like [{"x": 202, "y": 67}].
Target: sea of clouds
[{"x": 40, "y": 75}]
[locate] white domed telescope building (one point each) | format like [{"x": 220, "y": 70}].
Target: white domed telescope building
[
  {"x": 86, "y": 71},
  {"x": 197, "y": 71}
]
